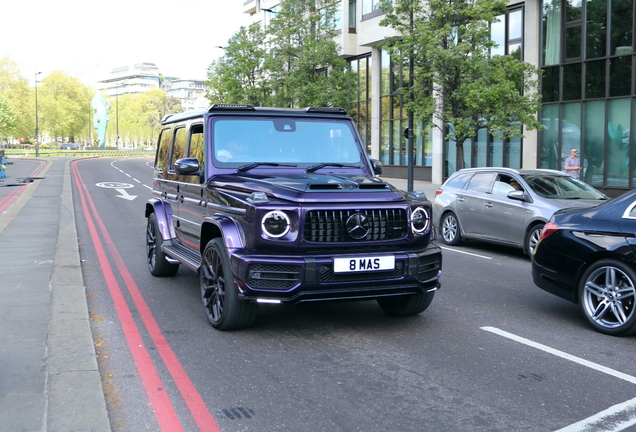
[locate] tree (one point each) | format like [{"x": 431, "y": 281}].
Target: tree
[
  {"x": 239, "y": 77},
  {"x": 64, "y": 106},
  {"x": 7, "y": 118},
  {"x": 19, "y": 98},
  {"x": 293, "y": 62},
  {"x": 455, "y": 79},
  {"x": 303, "y": 62}
]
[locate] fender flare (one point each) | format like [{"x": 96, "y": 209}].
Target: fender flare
[
  {"x": 163, "y": 213},
  {"x": 225, "y": 227}
]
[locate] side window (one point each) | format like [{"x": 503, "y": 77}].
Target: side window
[
  {"x": 196, "y": 143},
  {"x": 180, "y": 141},
  {"x": 164, "y": 150},
  {"x": 458, "y": 180},
  {"x": 505, "y": 184},
  {"x": 481, "y": 182}
]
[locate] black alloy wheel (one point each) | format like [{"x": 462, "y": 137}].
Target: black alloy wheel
[
  {"x": 157, "y": 262},
  {"x": 223, "y": 309}
]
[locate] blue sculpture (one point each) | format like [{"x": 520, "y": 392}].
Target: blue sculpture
[{"x": 101, "y": 107}]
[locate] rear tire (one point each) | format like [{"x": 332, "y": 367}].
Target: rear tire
[
  {"x": 223, "y": 309},
  {"x": 533, "y": 237},
  {"x": 450, "y": 230},
  {"x": 406, "y": 305},
  {"x": 157, "y": 262}
]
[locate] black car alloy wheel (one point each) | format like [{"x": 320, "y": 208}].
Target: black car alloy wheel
[{"x": 222, "y": 306}]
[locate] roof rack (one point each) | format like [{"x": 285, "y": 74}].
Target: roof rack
[
  {"x": 231, "y": 106},
  {"x": 326, "y": 110}
]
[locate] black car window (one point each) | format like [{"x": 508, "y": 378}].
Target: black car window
[
  {"x": 458, "y": 180},
  {"x": 481, "y": 182},
  {"x": 163, "y": 149},
  {"x": 179, "y": 150},
  {"x": 505, "y": 184}
]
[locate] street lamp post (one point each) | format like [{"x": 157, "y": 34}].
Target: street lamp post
[
  {"x": 117, "y": 109},
  {"x": 37, "y": 144}
]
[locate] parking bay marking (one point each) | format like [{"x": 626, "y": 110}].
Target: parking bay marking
[
  {"x": 615, "y": 418},
  {"x": 467, "y": 253}
]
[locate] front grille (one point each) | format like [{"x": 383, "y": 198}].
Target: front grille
[
  {"x": 330, "y": 225},
  {"x": 428, "y": 267},
  {"x": 273, "y": 276},
  {"x": 327, "y": 274}
]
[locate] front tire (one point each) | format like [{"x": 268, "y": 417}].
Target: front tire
[
  {"x": 532, "y": 239},
  {"x": 606, "y": 293},
  {"x": 222, "y": 306},
  {"x": 451, "y": 233},
  {"x": 406, "y": 305},
  {"x": 157, "y": 262}
]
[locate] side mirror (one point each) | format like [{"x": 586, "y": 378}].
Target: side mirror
[
  {"x": 377, "y": 166},
  {"x": 517, "y": 195},
  {"x": 187, "y": 166}
]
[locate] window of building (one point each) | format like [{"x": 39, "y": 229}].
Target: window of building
[
  {"x": 371, "y": 8},
  {"x": 588, "y": 88},
  {"x": 508, "y": 33},
  {"x": 360, "y": 109},
  {"x": 394, "y": 119},
  {"x": 353, "y": 10}
]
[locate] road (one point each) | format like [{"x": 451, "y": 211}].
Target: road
[{"x": 492, "y": 353}]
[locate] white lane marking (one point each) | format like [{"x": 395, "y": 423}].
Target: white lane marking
[
  {"x": 624, "y": 413},
  {"x": 467, "y": 253},
  {"x": 603, "y": 421},
  {"x": 562, "y": 354}
]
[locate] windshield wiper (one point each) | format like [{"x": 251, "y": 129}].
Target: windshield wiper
[
  {"x": 248, "y": 167},
  {"x": 337, "y": 165}
]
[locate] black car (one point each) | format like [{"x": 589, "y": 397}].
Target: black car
[
  {"x": 588, "y": 257},
  {"x": 284, "y": 206}
]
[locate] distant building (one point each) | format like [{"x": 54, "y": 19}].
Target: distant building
[
  {"x": 190, "y": 92},
  {"x": 138, "y": 78}
]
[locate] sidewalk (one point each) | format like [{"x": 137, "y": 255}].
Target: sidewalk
[
  {"x": 49, "y": 379},
  {"x": 426, "y": 186}
]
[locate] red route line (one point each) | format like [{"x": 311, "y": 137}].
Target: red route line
[
  {"x": 191, "y": 396},
  {"x": 163, "y": 409}
]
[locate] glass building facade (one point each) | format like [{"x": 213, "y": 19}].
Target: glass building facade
[{"x": 587, "y": 59}]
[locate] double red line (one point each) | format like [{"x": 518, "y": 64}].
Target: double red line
[{"x": 157, "y": 394}]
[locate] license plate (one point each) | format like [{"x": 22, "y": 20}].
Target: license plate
[{"x": 361, "y": 264}]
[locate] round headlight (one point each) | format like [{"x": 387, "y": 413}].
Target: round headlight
[
  {"x": 275, "y": 224},
  {"x": 419, "y": 220}
]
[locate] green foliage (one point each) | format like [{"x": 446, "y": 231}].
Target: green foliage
[
  {"x": 455, "y": 80},
  {"x": 7, "y": 118},
  {"x": 293, "y": 62},
  {"x": 20, "y": 100},
  {"x": 238, "y": 77}
]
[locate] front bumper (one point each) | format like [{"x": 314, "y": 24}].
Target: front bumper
[{"x": 296, "y": 279}]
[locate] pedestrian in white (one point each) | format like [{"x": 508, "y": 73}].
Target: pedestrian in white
[{"x": 573, "y": 165}]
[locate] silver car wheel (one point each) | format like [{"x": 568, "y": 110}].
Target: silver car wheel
[
  {"x": 608, "y": 298},
  {"x": 533, "y": 239},
  {"x": 450, "y": 229}
]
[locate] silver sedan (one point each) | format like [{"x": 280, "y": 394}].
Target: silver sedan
[{"x": 505, "y": 205}]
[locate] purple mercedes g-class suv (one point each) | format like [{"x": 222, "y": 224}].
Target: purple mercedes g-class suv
[{"x": 273, "y": 205}]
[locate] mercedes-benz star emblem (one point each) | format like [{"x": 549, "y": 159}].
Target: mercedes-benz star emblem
[{"x": 358, "y": 226}]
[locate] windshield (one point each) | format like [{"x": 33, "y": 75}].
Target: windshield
[
  {"x": 300, "y": 142},
  {"x": 561, "y": 187}
]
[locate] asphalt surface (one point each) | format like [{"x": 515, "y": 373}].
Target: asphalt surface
[{"x": 49, "y": 377}]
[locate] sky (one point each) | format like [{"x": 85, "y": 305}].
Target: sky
[{"x": 88, "y": 38}]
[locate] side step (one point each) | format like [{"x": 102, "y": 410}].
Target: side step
[{"x": 183, "y": 254}]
